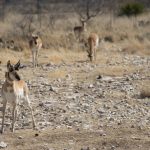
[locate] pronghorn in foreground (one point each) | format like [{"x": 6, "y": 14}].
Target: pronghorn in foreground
[
  {"x": 13, "y": 90},
  {"x": 78, "y": 30},
  {"x": 35, "y": 45},
  {"x": 93, "y": 41}
]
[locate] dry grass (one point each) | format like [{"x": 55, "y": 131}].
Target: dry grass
[
  {"x": 59, "y": 44},
  {"x": 61, "y": 56},
  {"x": 144, "y": 88},
  {"x": 64, "y": 138},
  {"x": 6, "y": 55},
  {"x": 57, "y": 74},
  {"x": 61, "y": 47},
  {"x": 131, "y": 39},
  {"x": 117, "y": 70}
]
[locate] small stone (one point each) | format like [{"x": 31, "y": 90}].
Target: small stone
[
  {"x": 78, "y": 129},
  {"x": 132, "y": 126},
  {"x": 99, "y": 77},
  {"x": 112, "y": 147},
  {"x": 20, "y": 137},
  {"x": 36, "y": 134},
  {"x": 101, "y": 133},
  {"x": 41, "y": 104},
  {"x": 91, "y": 86},
  {"x": 59, "y": 80},
  {"x": 3, "y": 144},
  {"x": 68, "y": 76}
]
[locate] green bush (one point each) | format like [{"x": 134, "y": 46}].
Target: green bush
[{"x": 132, "y": 9}]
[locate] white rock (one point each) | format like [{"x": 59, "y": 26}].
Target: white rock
[{"x": 3, "y": 144}]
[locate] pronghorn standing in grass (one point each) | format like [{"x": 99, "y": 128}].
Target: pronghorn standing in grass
[
  {"x": 35, "y": 45},
  {"x": 93, "y": 41},
  {"x": 13, "y": 90},
  {"x": 78, "y": 30}
]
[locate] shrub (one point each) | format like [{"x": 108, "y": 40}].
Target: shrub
[{"x": 132, "y": 9}]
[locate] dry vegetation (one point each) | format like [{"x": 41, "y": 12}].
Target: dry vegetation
[
  {"x": 60, "y": 37},
  {"x": 60, "y": 47}
]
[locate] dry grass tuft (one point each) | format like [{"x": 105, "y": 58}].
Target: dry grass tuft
[
  {"x": 116, "y": 70},
  {"x": 9, "y": 55},
  {"x": 57, "y": 74},
  {"x": 145, "y": 89},
  {"x": 60, "y": 45}
]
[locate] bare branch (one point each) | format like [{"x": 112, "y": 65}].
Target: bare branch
[{"x": 89, "y": 9}]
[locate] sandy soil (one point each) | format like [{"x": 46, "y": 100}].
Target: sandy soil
[{"x": 83, "y": 106}]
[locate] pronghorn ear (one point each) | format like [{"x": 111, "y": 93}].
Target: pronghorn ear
[
  {"x": 17, "y": 65},
  {"x": 9, "y": 66}
]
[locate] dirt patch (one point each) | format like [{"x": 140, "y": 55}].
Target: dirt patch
[{"x": 80, "y": 105}]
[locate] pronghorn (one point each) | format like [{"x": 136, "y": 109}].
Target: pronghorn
[
  {"x": 13, "y": 90},
  {"x": 78, "y": 30},
  {"x": 35, "y": 45},
  {"x": 93, "y": 41}
]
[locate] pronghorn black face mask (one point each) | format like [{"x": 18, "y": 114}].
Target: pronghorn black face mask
[{"x": 12, "y": 71}]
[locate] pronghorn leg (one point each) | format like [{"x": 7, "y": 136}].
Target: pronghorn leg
[
  {"x": 36, "y": 57},
  {"x": 14, "y": 117},
  {"x": 33, "y": 58},
  {"x": 28, "y": 102},
  {"x": 77, "y": 36},
  {"x": 4, "y": 111},
  {"x": 95, "y": 54},
  {"x": 91, "y": 55},
  {"x": 92, "y": 58}
]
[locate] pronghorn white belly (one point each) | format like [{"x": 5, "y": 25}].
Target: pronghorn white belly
[
  {"x": 20, "y": 93},
  {"x": 11, "y": 97},
  {"x": 97, "y": 42}
]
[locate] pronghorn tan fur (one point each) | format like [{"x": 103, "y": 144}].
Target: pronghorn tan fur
[
  {"x": 93, "y": 41},
  {"x": 35, "y": 45},
  {"x": 13, "y": 90}
]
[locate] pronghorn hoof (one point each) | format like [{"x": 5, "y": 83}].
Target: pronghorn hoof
[{"x": 1, "y": 132}]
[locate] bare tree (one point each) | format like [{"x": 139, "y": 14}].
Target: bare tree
[
  {"x": 2, "y": 9},
  {"x": 86, "y": 10},
  {"x": 111, "y": 7},
  {"x": 26, "y": 25},
  {"x": 38, "y": 7}
]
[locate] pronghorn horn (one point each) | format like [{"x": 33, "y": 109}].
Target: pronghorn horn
[
  {"x": 9, "y": 66},
  {"x": 8, "y": 63}
]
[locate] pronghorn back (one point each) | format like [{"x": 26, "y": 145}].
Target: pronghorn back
[{"x": 93, "y": 41}]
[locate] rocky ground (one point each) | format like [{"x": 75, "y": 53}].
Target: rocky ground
[{"x": 85, "y": 106}]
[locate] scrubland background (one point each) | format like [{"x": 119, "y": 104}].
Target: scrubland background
[
  {"x": 54, "y": 23},
  {"x": 79, "y": 105}
]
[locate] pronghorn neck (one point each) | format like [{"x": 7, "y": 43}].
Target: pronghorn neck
[
  {"x": 84, "y": 26},
  {"x": 8, "y": 79},
  {"x": 10, "y": 82}
]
